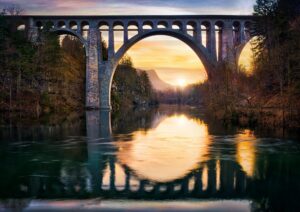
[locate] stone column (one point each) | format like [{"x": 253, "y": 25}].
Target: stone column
[
  {"x": 111, "y": 42},
  {"x": 184, "y": 28},
  {"x": 242, "y": 32},
  {"x": 125, "y": 34},
  {"x": 198, "y": 35},
  {"x": 92, "y": 75},
  {"x": 106, "y": 72},
  {"x": 33, "y": 32},
  {"x": 140, "y": 27},
  {"x": 227, "y": 41},
  {"x": 212, "y": 40}
]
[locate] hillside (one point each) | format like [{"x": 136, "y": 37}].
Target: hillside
[{"x": 156, "y": 82}]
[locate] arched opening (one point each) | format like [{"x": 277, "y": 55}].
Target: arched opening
[
  {"x": 191, "y": 28},
  {"x": 219, "y": 39},
  {"x": 73, "y": 25},
  {"x": 177, "y": 25},
  {"x": 205, "y": 33},
  {"x": 247, "y": 30},
  {"x": 21, "y": 27},
  {"x": 132, "y": 29},
  {"x": 49, "y": 25},
  {"x": 147, "y": 25},
  {"x": 39, "y": 25},
  {"x": 171, "y": 57},
  {"x": 236, "y": 28},
  {"x": 85, "y": 29},
  {"x": 118, "y": 35},
  {"x": 104, "y": 32},
  {"x": 61, "y": 24},
  {"x": 71, "y": 71},
  {"x": 162, "y": 25},
  {"x": 246, "y": 56}
]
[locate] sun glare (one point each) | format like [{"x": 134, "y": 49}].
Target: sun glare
[{"x": 181, "y": 82}]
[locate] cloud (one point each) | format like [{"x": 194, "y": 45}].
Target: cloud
[{"x": 137, "y": 7}]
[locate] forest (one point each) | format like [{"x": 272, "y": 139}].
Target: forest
[
  {"x": 269, "y": 96},
  {"x": 46, "y": 76},
  {"x": 49, "y": 76}
]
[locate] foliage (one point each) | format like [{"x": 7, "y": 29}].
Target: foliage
[
  {"x": 131, "y": 88},
  {"x": 40, "y": 77}
]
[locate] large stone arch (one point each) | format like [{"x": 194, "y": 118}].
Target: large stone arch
[
  {"x": 91, "y": 70},
  {"x": 109, "y": 67},
  {"x": 198, "y": 48}
]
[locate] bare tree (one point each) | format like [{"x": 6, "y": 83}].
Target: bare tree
[{"x": 13, "y": 9}]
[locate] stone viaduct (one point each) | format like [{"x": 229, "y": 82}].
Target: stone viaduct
[{"x": 213, "y": 38}]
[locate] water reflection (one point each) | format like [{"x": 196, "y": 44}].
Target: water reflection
[
  {"x": 168, "y": 153},
  {"x": 175, "y": 147},
  {"x": 246, "y": 151}
]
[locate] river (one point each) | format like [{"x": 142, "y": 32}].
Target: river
[{"x": 169, "y": 158}]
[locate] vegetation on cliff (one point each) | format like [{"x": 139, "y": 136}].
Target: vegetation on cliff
[
  {"x": 270, "y": 95},
  {"x": 131, "y": 88},
  {"x": 49, "y": 75}
]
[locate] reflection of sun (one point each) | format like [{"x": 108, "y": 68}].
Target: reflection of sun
[
  {"x": 168, "y": 152},
  {"x": 181, "y": 82}
]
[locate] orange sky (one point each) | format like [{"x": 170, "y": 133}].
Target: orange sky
[{"x": 172, "y": 59}]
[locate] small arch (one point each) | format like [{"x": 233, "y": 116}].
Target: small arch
[
  {"x": 118, "y": 23},
  {"x": 236, "y": 29},
  {"x": 191, "y": 27},
  {"x": 61, "y": 24},
  {"x": 219, "y": 25},
  {"x": 104, "y": 33},
  {"x": 132, "y": 29},
  {"x": 247, "y": 30},
  {"x": 133, "y": 23},
  {"x": 147, "y": 25},
  {"x": 65, "y": 31},
  {"x": 39, "y": 25},
  {"x": 204, "y": 32},
  {"x": 49, "y": 25},
  {"x": 85, "y": 26},
  {"x": 162, "y": 25},
  {"x": 103, "y": 26},
  {"x": 21, "y": 27},
  {"x": 177, "y": 25},
  {"x": 205, "y": 26},
  {"x": 118, "y": 29},
  {"x": 73, "y": 25}
]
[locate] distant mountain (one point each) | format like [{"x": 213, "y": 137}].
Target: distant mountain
[{"x": 156, "y": 82}]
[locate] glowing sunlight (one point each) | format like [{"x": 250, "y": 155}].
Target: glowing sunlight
[
  {"x": 170, "y": 58},
  {"x": 247, "y": 57}
]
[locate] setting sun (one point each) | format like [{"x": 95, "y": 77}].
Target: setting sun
[{"x": 181, "y": 82}]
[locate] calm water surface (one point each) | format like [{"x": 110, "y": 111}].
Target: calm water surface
[{"x": 167, "y": 158}]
